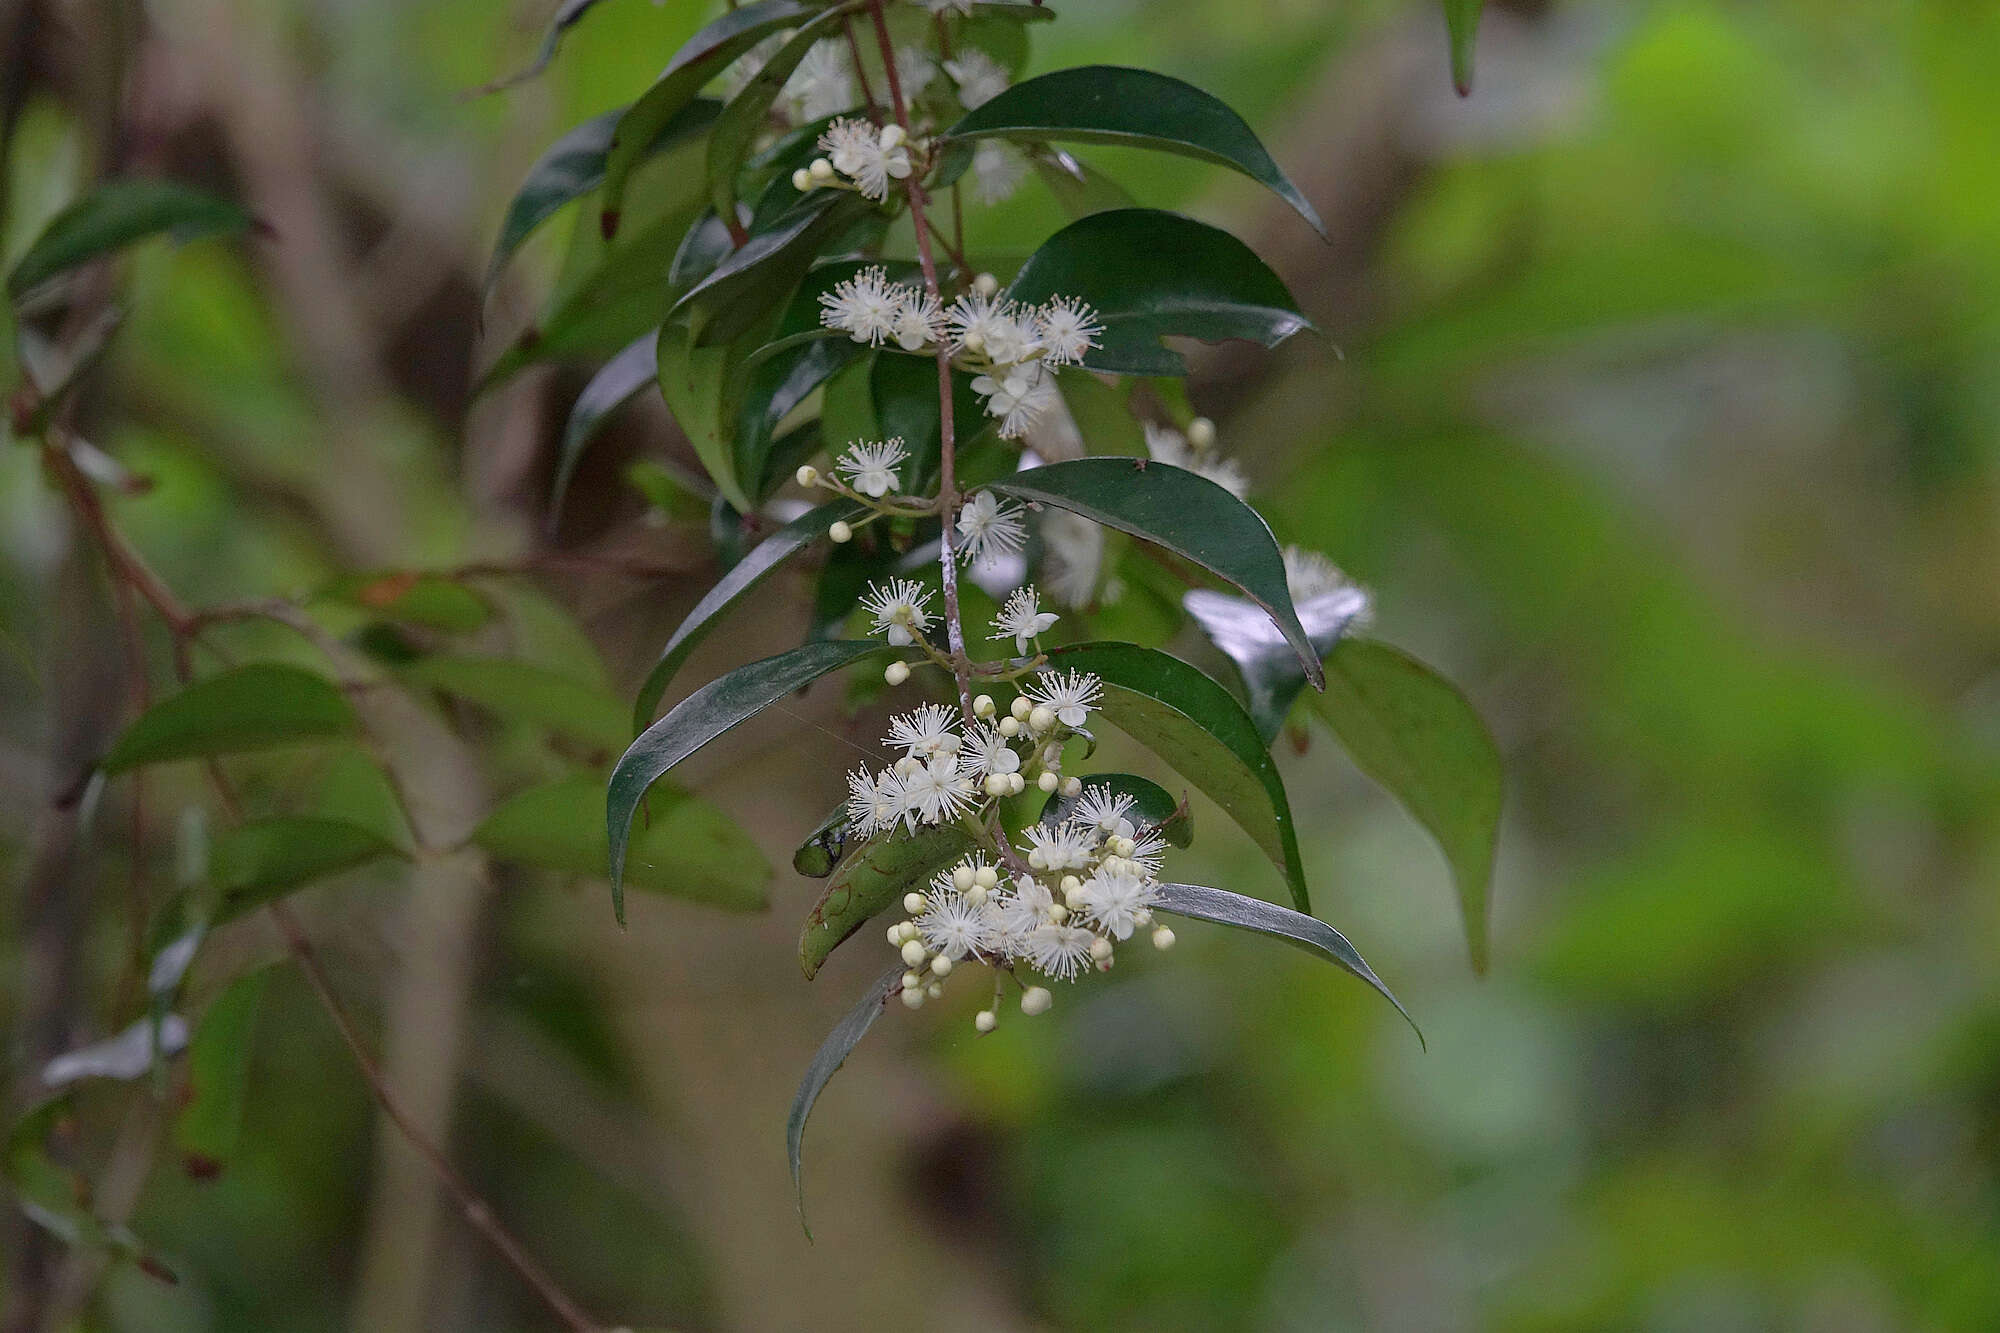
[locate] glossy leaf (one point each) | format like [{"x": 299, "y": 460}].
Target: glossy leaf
[
  {"x": 263, "y": 860},
  {"x": 872, "y": 878},
  {"x": 1198, "y": 727},
  {"x": 523, "y": 692},
  {"x": 1152, "y": 805},
  {"x": 1186, "y": 513},
  {"x": 1272, "y": 679},
  {"x": 254, "y": 707},
  {"x": 1151, "y": 274},
  {"x": 1132, "y": 108},
  {"x": 833, "y": 1053},
  {"x": 684, "y": 846},
  {"x": 115, "y": 215},
  {"x": 1412, "y": 731},
  {"x": 748, "y": 112},
  {"x": 904, "y": 390},
  {"x": 218, "y": 1065},
  {"x": 698, "y": 719},
  {"x": 1462, "y": 19},
  {"x": 697, "y": 383},
  {"x": 1224, "y": 908},
  {"x": 574, "y": 166},
  {"x": 700, "y": 59},
  {"x": 753, "y": 279},
  {"x": 615, "y": 384},
  {"x": 762, "y": 561}
]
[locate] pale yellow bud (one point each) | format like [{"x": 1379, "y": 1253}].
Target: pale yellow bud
[
  {"x": 935, "y": 989},
  {"x": 997, "y": 785},
  {"x": 1010, "y": 727},
  {"x": 1048, "y": 781},
  {"x": 802, "y": 180},
  {"x": 840, "y": 533},
  {"x": 912, "y": 999},
  {"x": 986, "y": 284},
  {"x": 914, "y": 903},
  {"x": 961, "y": 877},
  {"x": 985, "y": 1020},
  {"x": 914, "y": 952},
  {"x": 1201, "y": 433},
  {"x": 1040, "y": 718},
  {"x": 1072, "y": 787},
  {"x": 941, "y": 965},
  {"x": 1100, "y": 950},
  {"x": 986, "y": 877},
  {"x": 1163, "y": 938},
  {"x": 896, "y": 672},
  {"x": 821, "y": 169},
  {"x": 1036, "y": 1000},
  {"x": 982, "y": 705}
]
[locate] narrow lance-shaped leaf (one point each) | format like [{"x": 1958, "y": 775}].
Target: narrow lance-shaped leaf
[
  {"x": 1133, "y": 108},
  {"x": 1309, "y": 933},
  {"x": 1412, "y": 731},
  {"x": 567, "y": 17},
  {"x": 1150, "y": 275},
  {"x": 876, "y": 875},
  {"x": 1184, "y": 512},
  {"x": 211, "y": 1120},
  {"x": 617, "y": 383},
  {"x": 50, "y": 1193},
  {"x": 115, "y": 215},
  {"x": 263, "y": 860},
  {"x": 750, "y": 281},
  {"x": 1198, "y": 727},
  {"x": 745, "y": 575},
  {"x": 1462, "y": 18},
  {"x": 745, "y": 116},
  {"x": 249, "y": 708},
  {"x": 1272, "y": 679},
  {"x": 833, "y": 1053},
  {"x": 698, "y": 719}
]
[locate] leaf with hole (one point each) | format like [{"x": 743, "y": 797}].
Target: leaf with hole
[
  {"x": 873, "y": 878},
  {"x": 833, "y": 1053},
  {"x": 1134, "y": 108},
  {"x": 256, "y": 707},
  {"x": 710, "y": 711},
  {"x": 117, "y": 214},
  {"x": 1411, "y": 730},
  {"x": 1079, "y": 188},
  {"x": 1198, "y": 727},
  {"x": 1150, "y": 275},
  {"x": 1187, "y": 514}
]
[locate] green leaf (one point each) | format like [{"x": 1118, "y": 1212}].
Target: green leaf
[
  {"x": 1132, "y": 108},
  {"x": 748, "y": 112},
  {"x": 702, "y": 58},
  {"x": 353, "y": 788},
  {"x": 744, "y": 576},
  {"x": 871, "y": 879},
  {"x": 1198, "y": 727},
  {"x": 1272, "y": 679},
  {"x": 115, "y": 215},
  {"x": 824, "y": 846},
  {"x": 263, "y": 860},
  {"x": 413, "y": 598},
  {"x": 684, "y": 846},
  {"x": 1186, "y": 513},
  {"x": 833, "y": 1053},
  {"x": 697, "y": 383},
  {"x": 1079, "y": 188},
  {"x": 523, "y": 692},
  {"x": 752, "y": 279},
  {"x": 211, "y": 1120},
  {"x": 567, "y": 17},
  {"x": 1152, "y": 805},
  {"x": 1151, "y": 274},
  {"x": 615, "y": 384},
  {"x": 1309, "y": 933},
  {"x": 50, "y": 1193},
  {"x": 1462, "y": 18},
  {"x": 905, "y": 392},
  {"x": 1412, "y": 731},
  {"x": 254, "y": 707},
  {"x": 698, "y": 719},
  {"x": 573, "y": 167}
]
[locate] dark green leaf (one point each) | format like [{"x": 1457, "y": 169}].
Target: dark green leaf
[
  {"x": 211, "y": 1119},
  {"x": 905, "y": 390},
  {"x": 1186, "y": 513},
  {"x": 833, "y": 1053},
  {"x": 1151, "y": 274},
  {"x": 745, "y": 116},
  {"x": 824, "y": 846},
  {"x": 574, "y": 166},
  {"x": 263, "y": 860},
  {"x": 747, "y": 573},
  {"x": 1308, "y": 933},
  {"x": 698, "y": 719},
  {"x": 1412, "y": 731},
  {"x": 115, "y": 215},
  {"x": 1272, "y": 679},
  {"x": 249, "y": 708},
  {"x": 1462, "y": 18},
  {"x": 751, "y": 280},
  {"x": 527, "y": 693},
  {"x": 1198, "y": 727},
  {"x": 620, "y": 379},
  {"x": 684, "y": 845},
  {"x": 1133, "y": 108},
  {"x": 567, "y": 17},
  {"x": 1152, "y": 805},
  {"x": 872, "y": 878},
  {"x": 697, "y": 383},
  {"x": 698, "y": 61}
]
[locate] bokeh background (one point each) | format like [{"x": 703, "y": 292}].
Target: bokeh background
[{"x": 1658, "y": 400}]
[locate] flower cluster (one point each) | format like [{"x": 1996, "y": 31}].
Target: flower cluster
[
  {"x": 866, "y": 156},
  {"x": 1195, "y": 451}
]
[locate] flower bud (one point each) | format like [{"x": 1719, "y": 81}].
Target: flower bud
[
  {"x": 1041, "y": 718},
  {"x": 802, "y": 180},
  {"x": 914, "y": 952},
  {"x": 1021, "y": 707},
  {"x": 985, "y": 1020},
  {"x": 941, "y": 965},
  {"x": 821, "y": 170},
  {"x": 1010, "y": 726},
  {"x": 997, "y": 785},
  {"x": 1016, "y": 784},
  {"x": 986, "y": 284},
  {"x": 1036, "y": 1000},
  {"x": 912, "y": 999},
  {"x": 840, "y": 532},
  {"x": 961, "y": 876},
  {"x": 1072, "y": 787},
  {"x": 1201, "y": 433},
  {"x": 892, "y": 135},
  {"x": 935, "y": 989},
  {"x": 914, "y": 903},
  {"x": 1058, "y": 913},
  {"x": 895, "y": 934},
  {"x": 1048, "y": 781},
  {"x": 896, "y": 672},
  {"x": 982, "y": 705},
  {"x": 1122, "y": 846},
  {"x": 1100, "y": 949},
  {"x": 1036, "y": 860},
  {"x": 913, "y": 981},
  {"x": 986, "y": 877},
  {"x": 1163, "y": 938},
  {"x": 974, "y": 341},
  {"x": 976, "y": 896},
  {"x": 807, "y": 475}
]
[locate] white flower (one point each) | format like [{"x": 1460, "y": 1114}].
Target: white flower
[
  {"x": 1310, "y": 576},
  {"x": 954, "y": 927},
  {"x": 914, "y": 70},
  {"x": 898, "y": 610},
  {"x": 1022, "y": 619},
  {"x": 1073, "y": 556},
  {"x": 989, "y": 753},
  {"x": 822, "y": 85},
  {"x": 1059, "y": 951},
  {"x": 989, "y": 531},
  {"x": 1019, "y": 396},
  {"x": 919, "y": 321},
  {"x": 1070, "y": 695},
  {"x": 871, "y": 468},
  {"x": 739, "y": 74},
  {"x": 1023, "y": 908},
  {"x": 937, "y": 791},
  {"x": 1149, "y": 851},
  {"x": 867, "y": 156},
  {"x": 1066, "y": 329},
  {"x": 1103, "y": 809},
  {"x": 925, "y": 734},
  {"x": 1171, "y": 447},
  {"x": 874, "y": 804},
  {"x": 998, "y": 168},
  {"x": 979, "y": 77},
  {"x": 1114, "y": 899},
  {"x": 865, "y": 306},
  {"x": 1060, "y": 846},
  {"x": 976, "y": 321}
]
